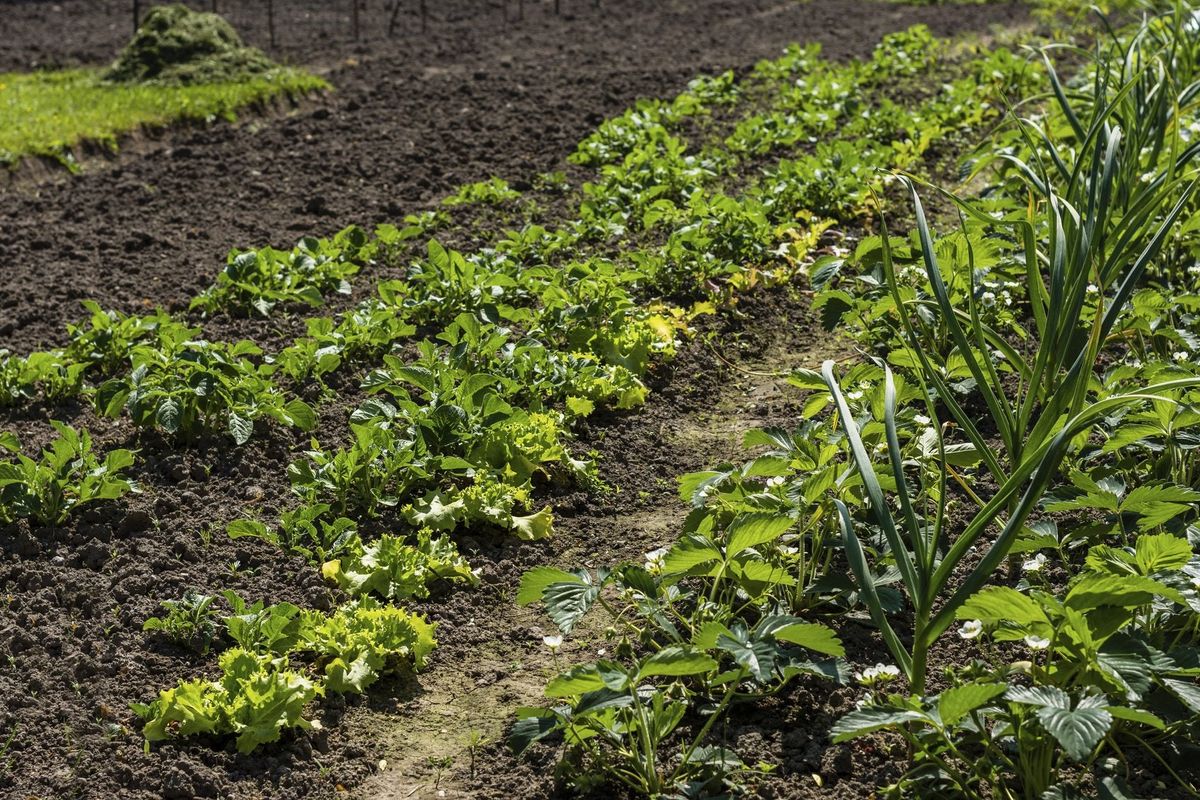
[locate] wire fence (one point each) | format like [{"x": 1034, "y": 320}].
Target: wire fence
[
  {"x": 38, "y": 34},
  {"x": 289, "y": 23}
]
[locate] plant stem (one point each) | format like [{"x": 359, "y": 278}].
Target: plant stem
[{"x": 729, "y": 694}]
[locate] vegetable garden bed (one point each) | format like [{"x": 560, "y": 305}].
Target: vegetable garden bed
[{"x": 955, "y": 560}]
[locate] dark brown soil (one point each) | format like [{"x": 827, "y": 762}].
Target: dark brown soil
[{"x": 412, "y": 119}]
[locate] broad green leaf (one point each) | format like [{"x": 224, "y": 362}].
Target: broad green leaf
[
  {"x": 1097, "y": 590},
  {"x": 247, "y": 527},
  {"x": 434, "y": 513},
  {"x": 1138, "y": 715},
  {"x": 111, "y": 397},
  {"x": 689, "y": 553},
  {"x": 1050, "y": 696},
  {"x": 812, "y": 636},
  {"x": 756, "y": 577},
  {"x": 532, "y": 725},
  {"x": 168, "y": 415},
  {"x": 767, "y": 467},
  {"x": 301, "y": 414},
  {"x": 962, "y": 454},
  {"x": 676, "y": 660},
  {"x": 240, "y": 429},
  {"x": 997, "y": 604},
  {"x": 692, "y": 483},
  {"x": 1080, "y": 729},
  {"x": 1112, "y": 788},
  {"x": 534, "y": 527},
  {"x": 575, "y": 681},
  {"x": 706, "y": 637},
  {"x": 958, "y": 701},
  {"x": 1186, "y": 692},
  {"x": 1162, "y": 552},
  {"x": 535, "y": 581},
  {"x": 11, "y": 473},
  {"x": 580, "y": 406},
  {"x": 868, "y": 720},
  {"x": 566, "y": 603},
  {"x": 751, "y": 530},
  {"x": 354, "y": 677},
  {"x": 639, "y": 580},
  {"x": 757, "y": 656}
]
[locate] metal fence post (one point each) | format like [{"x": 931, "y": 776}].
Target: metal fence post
[{"x": 395, "y": 15}]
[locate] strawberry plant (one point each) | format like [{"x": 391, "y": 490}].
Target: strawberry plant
[
  {"x": 617, "y": 715},
  {"x": 1099, "y": 674},
  {"x": 916, "y": 544}
]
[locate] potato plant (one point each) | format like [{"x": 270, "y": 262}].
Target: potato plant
[
  {"x": 68, "y": 475},
  {"x": 188, "y": 387},
  {"x": 260, "y": 280}
]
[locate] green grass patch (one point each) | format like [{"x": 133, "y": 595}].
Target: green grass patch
[{"x": 50, "y": 113}]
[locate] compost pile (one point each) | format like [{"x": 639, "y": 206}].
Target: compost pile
[{"x": 178, "y": 46}]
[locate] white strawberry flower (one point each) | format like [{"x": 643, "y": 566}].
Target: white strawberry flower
[
  {"x": 655, "y": 559},
  {"x": 880, "y": 673},
  {"x": 971, "y": 629},
  {"x": 1035, "y": 564}
]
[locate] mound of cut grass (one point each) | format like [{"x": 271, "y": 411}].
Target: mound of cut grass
[
  {"x": 178, "y": 46},
  {"x": 181, "y": 66}
]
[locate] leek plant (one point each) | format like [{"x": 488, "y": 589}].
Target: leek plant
[
  {"x": 1107, "y": 177},
  {"x": 919, "y": 541}
]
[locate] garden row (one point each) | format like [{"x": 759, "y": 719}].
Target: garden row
[{"x": 1005, "y": 482}]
